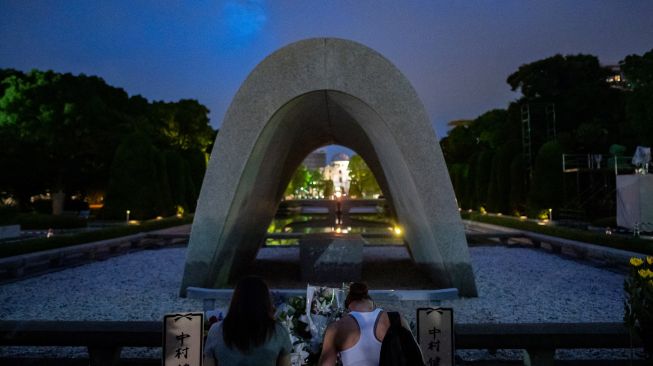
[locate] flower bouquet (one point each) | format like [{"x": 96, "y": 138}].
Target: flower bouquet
[
  {"x": 639, "y": 300},
  {"x": 307, "y": 319}
]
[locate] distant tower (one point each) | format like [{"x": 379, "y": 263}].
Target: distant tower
[{"x": 338, "y": 172}]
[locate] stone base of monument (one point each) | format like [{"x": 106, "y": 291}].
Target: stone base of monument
[{"x": 331, "y": 260}]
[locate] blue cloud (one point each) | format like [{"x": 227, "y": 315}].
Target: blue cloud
[{"x": 243, "y": 19}]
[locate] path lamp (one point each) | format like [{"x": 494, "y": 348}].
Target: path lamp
[{"x": 127, "y": 216}]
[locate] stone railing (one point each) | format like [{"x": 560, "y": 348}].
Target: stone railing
[
  {"x": 104, "y": 340},
  {"x": 211, "y": 296}
]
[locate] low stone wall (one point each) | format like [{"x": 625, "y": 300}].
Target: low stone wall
[{"x": 9, "y": 231}]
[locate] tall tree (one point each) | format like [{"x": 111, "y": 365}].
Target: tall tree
[
  {"x": 183, "y": 125},
  {"x": 362, "y": 178},
  {"x": 547, "y": 178},
  {"x": 638, "y": 71},
  {"x": 73, "y": 124},
  {"x": 139, "y": 181},
  {"x": 576, "y": 88}
]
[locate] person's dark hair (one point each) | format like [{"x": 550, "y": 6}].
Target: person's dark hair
[
  {"x": 357, "y": 292},
  {"x": 250, "y": 320}
]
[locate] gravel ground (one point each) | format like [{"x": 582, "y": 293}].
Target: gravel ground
[{"x": 515, "y": 285}]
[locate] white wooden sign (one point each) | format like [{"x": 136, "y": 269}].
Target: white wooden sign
[
  {"x": 183, "y": 339},
  {"x": 435, "y": 336}
]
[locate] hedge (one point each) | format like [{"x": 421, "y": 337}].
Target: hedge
[
  {"x": 613, "y": 241},
  {"x": 62, "y": 241}
]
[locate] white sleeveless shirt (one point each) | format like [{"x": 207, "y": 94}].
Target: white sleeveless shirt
[{"x": 367, "y": 351}]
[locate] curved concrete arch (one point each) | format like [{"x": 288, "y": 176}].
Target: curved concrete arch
[{"x": 309, "y": 94}]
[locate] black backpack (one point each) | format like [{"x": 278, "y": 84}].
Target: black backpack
[{"x": 399, "y": 347}]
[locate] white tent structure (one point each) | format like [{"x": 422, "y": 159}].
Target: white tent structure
[{"x": 635, "y": 201}]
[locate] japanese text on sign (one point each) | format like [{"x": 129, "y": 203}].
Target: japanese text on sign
[
  {"x": 183, "y": 339},
  {"x": 435, "y": 335}
]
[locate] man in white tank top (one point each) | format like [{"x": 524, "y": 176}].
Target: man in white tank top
[{"x": 357, "y": 337}]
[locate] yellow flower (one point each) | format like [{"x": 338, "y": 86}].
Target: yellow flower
[
  {"x": 636, "y": 262},
  {"x": 645, "y": 273},
  {"x": 642, "y": 273},
  {"x": 649, "y": 260}
]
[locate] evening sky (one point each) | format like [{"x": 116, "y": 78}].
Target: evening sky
[{"x": 457, "y": 54}]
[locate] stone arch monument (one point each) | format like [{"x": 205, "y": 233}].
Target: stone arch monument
[{"x": 306, "y": 95}]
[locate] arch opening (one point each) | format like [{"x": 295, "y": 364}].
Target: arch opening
[{"x": 338, "y": 195}]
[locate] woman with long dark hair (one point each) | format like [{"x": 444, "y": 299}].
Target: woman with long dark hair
[{"x": 248, "y": 335}]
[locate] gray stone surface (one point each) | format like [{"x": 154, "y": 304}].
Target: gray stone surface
[
  {"x": 329, "y": 260},
  {"x": 310, "y": 94},
  {"x": 9, "y": 231}
]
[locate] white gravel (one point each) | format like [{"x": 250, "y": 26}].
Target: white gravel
[
  {"x": 515, "y": 285},
  {"x": 521, "y": 285}
]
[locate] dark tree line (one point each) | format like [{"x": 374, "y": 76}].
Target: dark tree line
[
  {"x": 75, "y": 135},
  {"x": 486, "y": 158}
]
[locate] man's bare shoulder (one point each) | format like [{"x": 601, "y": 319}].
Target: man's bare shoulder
[{"x": 344, "y": 327}]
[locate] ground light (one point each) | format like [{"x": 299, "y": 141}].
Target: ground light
[{"x": 397, "y": 230}]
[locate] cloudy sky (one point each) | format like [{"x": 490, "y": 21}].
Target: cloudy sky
[{"x": 457, "y": 53}]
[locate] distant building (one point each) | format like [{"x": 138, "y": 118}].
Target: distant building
[
  {"x": 316, "y": 160},
  {"x": 338, "y": 172},
  {"x": 616, "y": 78}
]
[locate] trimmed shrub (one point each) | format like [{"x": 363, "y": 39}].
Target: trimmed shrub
[
  {"x": 517, "y": 184},
  {"x": 547, "y": 185},
  {"x": 61, "y": 241},
  {"x": 482, "y": 171},
  {"x": 499, "y": 188},
  {"x": 36, "y": 221}
]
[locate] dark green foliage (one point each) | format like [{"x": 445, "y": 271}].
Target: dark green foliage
[
  {"x": 329, "y": 188},
  {"x": 547, "y": 177},
  {"x": 183, "y": 125},
  {"x": 60, "y": 132},
  {"x": 354, "y": 189},
  {"x": 299, "y": 181},
  {"x": 589, "y": 114},
  {"x": 577, "y": 88},
  {"x": 362, "y": 178},
  {"x": 139, "y": 182},
  {"x": 517, "y": 184},
  {"x": 8, "y": 215},
  {"x": 639, "y": 99},
  {"x": 499, "y": 187},
  {"x": 469, "y": 196},
  {"x": 178, "y": 178},
  {"x": 483, "y": 170}
]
